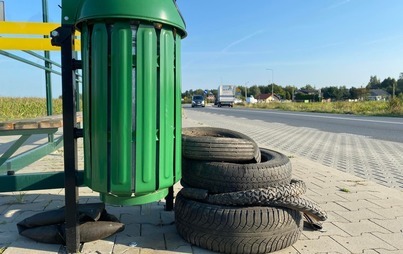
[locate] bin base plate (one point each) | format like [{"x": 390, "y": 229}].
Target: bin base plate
[{"x": 134, "y": 199}]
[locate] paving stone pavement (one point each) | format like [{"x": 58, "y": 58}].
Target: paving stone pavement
[
  {"x": 364, "y": 216},
  {"x": 372, "y": 159}
]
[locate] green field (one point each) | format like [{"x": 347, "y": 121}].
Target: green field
[{"x": 20, "y": 108}]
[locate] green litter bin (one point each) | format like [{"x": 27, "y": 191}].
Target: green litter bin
[{"x": 131, "y": 57}]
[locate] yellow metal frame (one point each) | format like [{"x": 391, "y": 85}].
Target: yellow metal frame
[{"x": 28, "y": 36}]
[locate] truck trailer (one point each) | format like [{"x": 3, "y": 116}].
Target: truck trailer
[{"x": 225, "y": 95}]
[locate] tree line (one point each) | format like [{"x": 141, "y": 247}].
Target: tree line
[{"x": 309, "y": 92}]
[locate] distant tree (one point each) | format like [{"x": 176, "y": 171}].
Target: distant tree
[
  {"x": 387, "y": 84},
  {"x": 290, "y": 90},
  {"x": 363, "y": 93},
  {"x": 279, "y": 91},
  {"x": 214, "y": 92},
  {"x": 330, "y": 92},
  {"x": 344, "y": 93},
  {"x": 374, "y": 83},
  {"x": 199, "y": 92},
  {"x": 399, "y": 85},
  {"x": 187, "y": 94},
  {"x": 264, "y": 89},
  {"x": 254, "y": 90},
  {"x": 241, "y": 90},
  {"x": 308, "y": 87},
  {"x": 353, "y": 93}
]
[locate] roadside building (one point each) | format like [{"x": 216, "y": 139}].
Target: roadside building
[
  {"x": 378, "y": 95},
  {"x": 267, "y": 97}
]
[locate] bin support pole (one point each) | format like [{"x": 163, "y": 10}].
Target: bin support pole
[
  {"x": 169, "y": 199},
  {"x": 70, "y": 139}
]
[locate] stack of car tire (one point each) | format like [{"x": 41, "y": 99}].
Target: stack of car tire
[{"x": 237, "y": 197}]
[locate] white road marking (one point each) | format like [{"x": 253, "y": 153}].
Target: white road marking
[{"x": 320, "y": 116}]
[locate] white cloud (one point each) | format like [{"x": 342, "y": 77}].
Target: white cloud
[{"x": 241, "y": 40}]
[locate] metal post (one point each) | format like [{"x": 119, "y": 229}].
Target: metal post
[
  {"x": 48, "y": 65},
  {"x": 2, "y": 14},
  {"x": 169, "y": 199},
  {"x": 246, "y": 90},
  {"x": 70, "y": 139}
]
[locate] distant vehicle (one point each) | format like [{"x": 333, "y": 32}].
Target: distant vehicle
[
  {"x": 251, "y": 99},
  {"x": 226, "y": 95},
  {"x": 198, "y": 101}
]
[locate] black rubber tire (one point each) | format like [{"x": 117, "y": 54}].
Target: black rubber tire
[
  {"x": 221, "y": 177},
  {"x": 237, "y": 229},
  {"x": 218, "y": 144}
]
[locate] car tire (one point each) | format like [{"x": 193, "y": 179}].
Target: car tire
[
  {"x": 236, "y": 229},
  {"x": 217, "y": 144},
  {"x": 221, "y": 177}
]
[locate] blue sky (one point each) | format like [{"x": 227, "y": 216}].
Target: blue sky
[{"x": 316, "y": 42}]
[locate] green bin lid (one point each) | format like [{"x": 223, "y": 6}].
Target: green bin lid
[{"x": 162, "y": 11}]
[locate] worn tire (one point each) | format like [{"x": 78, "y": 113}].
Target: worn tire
[
  {"x": 236, "y": 229},
  {"x": 217, "y": 144},
  {"x": 220, "y": 177}
]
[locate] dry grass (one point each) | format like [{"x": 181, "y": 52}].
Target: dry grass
[{"x": 378, "y": 108}]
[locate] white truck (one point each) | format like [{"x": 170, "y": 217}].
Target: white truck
[{"x": 225, "y": 95}]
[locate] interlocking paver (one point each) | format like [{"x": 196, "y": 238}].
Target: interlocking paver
[
  {"x": 324, "y": 244},
  {"x": 354, "y": 195},
  {"x": 321, "y": 199},
  {"x": 357, "y": 205},
  {"x": 394, "y": 239},
  {"x": 382, "y": 251},
  {"x": 358, "y": 215},
  {"x": 106, "y": 245},
  {"x": 356, "y": 244},
  {"x": 332, "y": 206},
  {"x": 366, "y": 219},
  {"x": 358, "y": 228},
  {"x": 176, "y": 243},
  {"x": 334, "y": 217},
  {"x": 329, "y": 229},
  {"x": 389, "y": 213},
  {"x": 27, "y": 246},
  {"x": 393, "y": 225}
]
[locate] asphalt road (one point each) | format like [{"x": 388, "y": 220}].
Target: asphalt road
[{"x": 382, "y": 128}]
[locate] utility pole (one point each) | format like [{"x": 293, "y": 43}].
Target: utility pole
[
  {"x": 272, "y": 82},
  {"x": 246, "y": 90}
]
